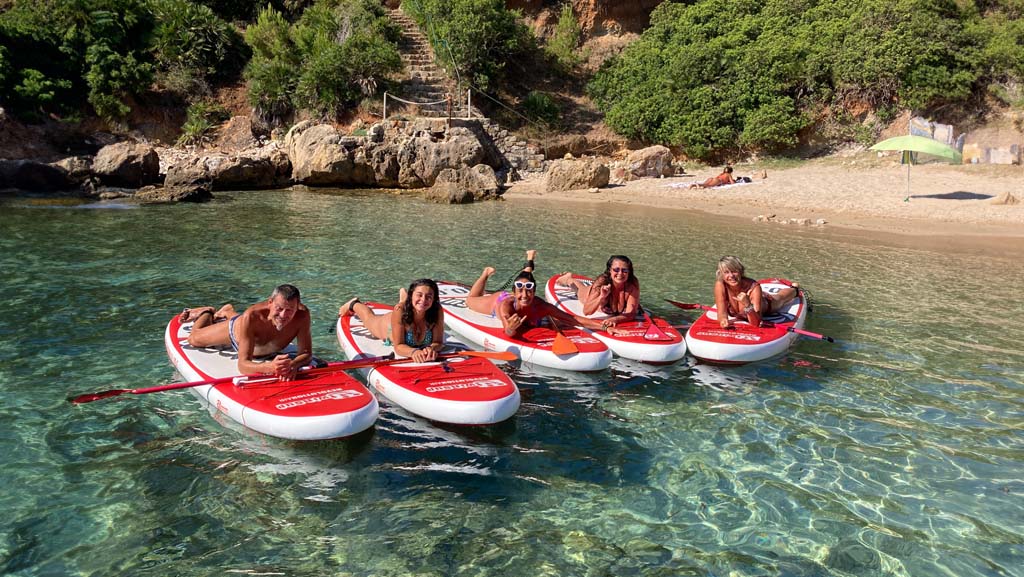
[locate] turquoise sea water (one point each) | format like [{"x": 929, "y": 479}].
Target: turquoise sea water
[{"x": 899, "y": 450}]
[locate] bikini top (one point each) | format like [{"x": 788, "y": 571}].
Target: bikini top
[
  {"x": 620, "y": 303},
  {"x": 410, "y": 339}
]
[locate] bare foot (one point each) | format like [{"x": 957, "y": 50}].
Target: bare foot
[
  {"x": 402, "y": 295},
  {"x": 225, "y": 312},
  {"x": 488, "y": 271},
  {"x": 531, "y": 254},
  {"x": 190, "y": 315},
  {"x": 764, "y": 174},
  {"x": 346, "y": 309},
  {"x": 565, "y": 279}
]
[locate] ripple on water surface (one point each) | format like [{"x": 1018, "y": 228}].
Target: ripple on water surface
[{"x": 895, "y": 451}]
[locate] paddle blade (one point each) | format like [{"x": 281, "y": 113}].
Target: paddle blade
[
  {"x": 811, "y": 335},
  {"x": 563, "y": 345},
  {"x": 90, "y": 397},
  {"x": 654, "y": 332}
]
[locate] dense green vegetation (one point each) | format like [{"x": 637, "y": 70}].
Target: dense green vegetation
[
  {"x": 715, "y": 77},
  {"x": 65, "y": 57},
  {"x": 60, "y": 54},
  {"x": 719, "y": 76},
  {"x": 337, "y": 53},
  {"x": 474, "y": 39}
]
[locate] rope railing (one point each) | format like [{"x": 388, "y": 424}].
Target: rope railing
[{"x": 387, "y": 95}]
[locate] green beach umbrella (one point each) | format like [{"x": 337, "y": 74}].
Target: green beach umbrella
[{"x": 910, "y": 143}]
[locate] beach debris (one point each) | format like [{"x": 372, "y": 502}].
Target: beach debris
[
  {"x": 1005, "y": 198},
  {"x": 787, "y": 221}
]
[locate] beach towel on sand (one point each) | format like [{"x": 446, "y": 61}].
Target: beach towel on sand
[{"x": 735, "y": 184}]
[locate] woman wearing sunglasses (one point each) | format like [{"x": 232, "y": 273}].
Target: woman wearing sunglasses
[
  {"x": 519, "y": 310},
  {"x": 415, "y": 328},
  {"x": 615, "y": 292}
]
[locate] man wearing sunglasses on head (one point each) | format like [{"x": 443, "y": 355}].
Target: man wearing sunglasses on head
[
  {"x": 519, "y": 310},
  {"x": 615, "y": 292}
]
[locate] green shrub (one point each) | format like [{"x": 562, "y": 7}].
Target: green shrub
[
  {"x": 325, "y": 62},
  {"x": 272, "y": 71},
  {"x": 564, "y": 43},
  {"x": 201, "y": 119},
  {"x": 192, "y": 40},
  {"x": 541, "y": 106}
]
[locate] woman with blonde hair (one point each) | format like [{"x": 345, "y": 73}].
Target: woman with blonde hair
[{"x": 737, "y": 295}]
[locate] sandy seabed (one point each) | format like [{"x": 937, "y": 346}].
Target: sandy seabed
[{"x": 947, "y": 204}]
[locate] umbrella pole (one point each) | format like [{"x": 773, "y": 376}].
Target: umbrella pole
[{"x": 908, "y": 184}]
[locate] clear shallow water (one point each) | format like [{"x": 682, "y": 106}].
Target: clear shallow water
[{"x": 897, "y": 451}]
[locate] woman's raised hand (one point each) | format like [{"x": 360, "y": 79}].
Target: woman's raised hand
[{"x": 513, "y": 322}]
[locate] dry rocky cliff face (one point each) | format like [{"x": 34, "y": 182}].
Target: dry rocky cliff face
[
  {"x": 607, "y": 26},
  {"x": 596, "y": 17}
]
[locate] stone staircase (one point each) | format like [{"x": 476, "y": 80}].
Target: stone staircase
[{"x": 424, "y": 80}]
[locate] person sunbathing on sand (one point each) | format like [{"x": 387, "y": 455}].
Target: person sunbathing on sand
[
  {"x": 615, "y": 292},
  {"x": 415, "y": 328},
  {"x": 721, "y": 180},
  {"x": 263, "y": 329},
  {"x": 742, "y": 297},
  {"x": 519, "y": 310}
]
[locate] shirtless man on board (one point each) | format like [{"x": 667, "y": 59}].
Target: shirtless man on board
[{"x": 263, "y": 329}]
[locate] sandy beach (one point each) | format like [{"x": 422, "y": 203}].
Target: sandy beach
[{"x": 861, "y": 193}]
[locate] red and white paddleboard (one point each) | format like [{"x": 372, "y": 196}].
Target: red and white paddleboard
[
  {"x": 319, "y": 406},
  {"x": 533, "y": 346},
  {"x": 743, "y": 343},
  {"x": 635, "y": 339},
  {"x": 460, "y": 390}
]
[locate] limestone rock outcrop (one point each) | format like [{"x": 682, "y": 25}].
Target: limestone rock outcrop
[
  {"x": 35, "y": 176},
  {"x": 651, "y": 162},
  {"x": 577, "y": 174},
  {"x": 127, "y": 164}
]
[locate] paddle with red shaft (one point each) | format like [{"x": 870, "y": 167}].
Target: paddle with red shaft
[
  {"x": 563, "y": 345},
  {"x": 692, "y": 306},
  {"x": 330, "y": 368}
]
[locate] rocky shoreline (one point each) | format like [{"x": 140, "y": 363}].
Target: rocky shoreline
[{"x": 452, "y": 161}]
